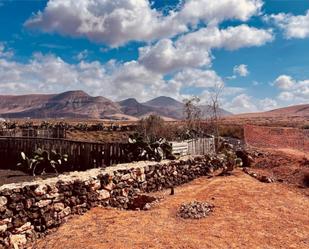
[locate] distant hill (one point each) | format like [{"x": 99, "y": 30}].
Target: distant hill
[
  {"x": 133, "y": 108},
  {"x": 296, "y": 110},
  {"x": 78, "y": 104},
  {"x": 290, "y": 111},
  {"x": 166, "y": 102}
]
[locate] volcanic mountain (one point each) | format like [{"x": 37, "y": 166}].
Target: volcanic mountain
[
  {"x": 78, "y": 104},
  {"x": 72, "y": 104}
]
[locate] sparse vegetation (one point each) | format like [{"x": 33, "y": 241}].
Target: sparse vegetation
[{"x": 41, "y": 162}]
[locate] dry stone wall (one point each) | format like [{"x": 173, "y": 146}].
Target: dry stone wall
[
  {"x": 274, "y": 137},
  {"x": 30, "y": 210}
]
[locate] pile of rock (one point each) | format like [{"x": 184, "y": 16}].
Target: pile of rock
[{"x": 195, "y": 210}]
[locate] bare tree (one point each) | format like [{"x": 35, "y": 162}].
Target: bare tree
[
  {"x": 192, "y": 113},
  {"x": 215, "y": 112}
]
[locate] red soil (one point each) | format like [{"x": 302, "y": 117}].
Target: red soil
[{"x": 247, "y": 214}]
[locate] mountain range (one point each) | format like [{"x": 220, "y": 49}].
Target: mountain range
[{"x": 78, "y": 104}]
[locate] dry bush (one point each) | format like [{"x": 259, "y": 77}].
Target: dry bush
[
  {"x": 234, "y": 131},
  {"x": 153, "y": 128}
]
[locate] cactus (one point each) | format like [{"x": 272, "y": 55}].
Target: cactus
[
  {"x": 138, "y": 149},
  {"x": 42, "y": 162}
]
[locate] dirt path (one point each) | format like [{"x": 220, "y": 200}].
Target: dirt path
[{"x": 248, "y": 214}]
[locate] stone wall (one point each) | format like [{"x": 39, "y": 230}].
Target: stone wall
[
  {"x": 31, "y": 209},
  {"x": 274, "y": 137}
]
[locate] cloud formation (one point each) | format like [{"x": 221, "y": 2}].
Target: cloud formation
[
  {"x": 284, "y": 82},
  {"x": 231, "y": 38},
  {"x": 118, "y": 22},
  {"x": 292, "y": 90},
  {"x": 194, "y": 49},
  {"x": 241, "y": 70},
  {"x": 293, "y": 26}
]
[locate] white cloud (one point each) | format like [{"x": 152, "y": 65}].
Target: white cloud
[
  {"x": 117, "y": 22},
  {"x": 50, "y": 74},
  {"x": 194, "y": 49},
  {"x": 294, "y": 91},
  {"x": 293, "y": 26},
  {"x": 231, "y": 38},
  {"x": 5, "y": 52},
  {"x": 198, "y": 78},
  {"x": 284, "y": 82},
  {"x": 216, "y": 11},
  {"x": 241, "y": 104},
  {"x": 166, "y": 57},
  {"x": 244, "y": 103},
  {"x": 241, "y": 70},
  {"x": 111, "y": 22}
]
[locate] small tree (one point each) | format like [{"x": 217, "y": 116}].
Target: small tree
[
  {"x": 192, "y": 113},
  {"x": 215, "y": 112}
]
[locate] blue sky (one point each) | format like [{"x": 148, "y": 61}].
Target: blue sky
[{"x": 259, "y": 50}]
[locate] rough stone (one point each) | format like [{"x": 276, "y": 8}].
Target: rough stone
[
  {"x": 58, "y": 206},
  {"x": 3, "y": 228},
  {"x": 65, "y": 212},
  {"x": 27, "y": 226},
  {"x": 3, "y": 201},
  {"x": 43, "y": 203},
  {"x": 103, "y": 194},
  {"x": 95, "y": 185},
  {"x": 5, "y": 221},
  {"x": 18, "y": 240},
  {"x": 41, "y": 190},
  {"x": 110, "y": 186}
]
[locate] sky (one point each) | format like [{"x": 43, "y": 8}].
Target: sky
[{"x": 257, "y": 51}]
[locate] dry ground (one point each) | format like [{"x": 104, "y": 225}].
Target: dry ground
[{"x": 248, "y": 214}]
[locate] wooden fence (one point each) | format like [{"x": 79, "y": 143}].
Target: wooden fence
[
  {"x": 198, "y": 146},
  {"x": 201, "y": 146},
  {"x": 82, "y": 155}
]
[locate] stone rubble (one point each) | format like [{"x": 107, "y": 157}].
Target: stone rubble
[{"x": 195, "y": 210}]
